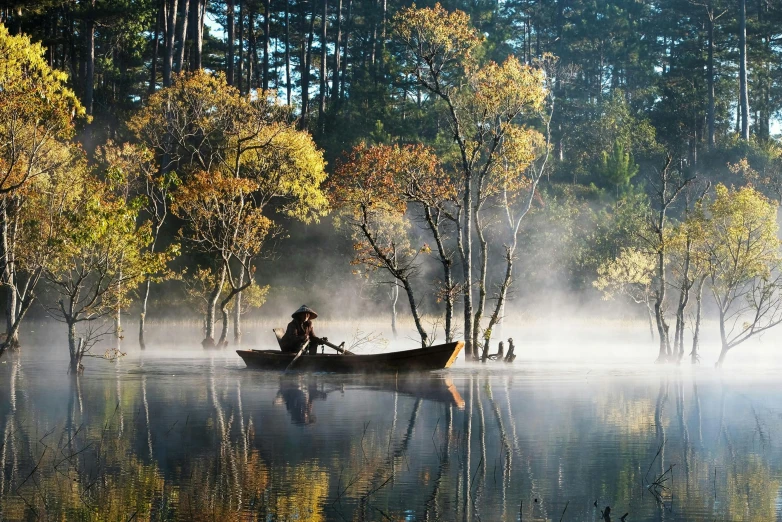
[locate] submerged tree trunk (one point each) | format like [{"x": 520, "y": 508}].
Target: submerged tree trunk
[
  {"x": 659, "y": 303},
  {"x": 482, "y": 274},
  {"x": 76, "y": 348},
  {"x": 694, "y": 358},
  {"x": 224, "y": 330},
  {"x": 723, "y": 339},
  {"x": 684, "y": 297},
  {"x": 465, "y": 237},
  {"x": 394, "y": 299},
  {"x": 496, "y": 316},
  {"x": 143, "y": 315},
  {"x": 723, "y": 352},
  {"x": 446, "y": 261},
  {"x": 209, "y": 334},
  {"x": 238, "y": 310}
]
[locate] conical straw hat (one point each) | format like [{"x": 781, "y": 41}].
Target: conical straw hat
[{"x": 304, "y": 309}]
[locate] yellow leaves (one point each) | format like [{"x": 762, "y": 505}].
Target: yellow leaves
[
  {"x": 36, "y": 113},
  {"x": 629, "y": 274},
  {"x": 30, "y": 86},
  {"x": 286, "y": 164},
  {"x": 437, "y": 39},
  {"x": 741, "y": 235},
  {"x": 505, "y": 91}
]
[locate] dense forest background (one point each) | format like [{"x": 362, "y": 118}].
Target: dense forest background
[{"x": 639, "y": 87}]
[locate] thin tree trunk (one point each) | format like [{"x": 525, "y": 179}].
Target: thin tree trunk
[
  {"x": 155, "y": 48},
  {"x": 252, "y": 51},
  {"x": 198, "y": 33},
  {"x": 238, "y": 310},
  {"x": 230, "y": 13},
  {"x": 416, "y": 314},
  {"x": 89, "y": 80},
  {"x": 466, "y": 254},
  {"x": 240, "y": 71},
  {"x": 75, "y": 347},
  {"x": 118, "y": 312},
  {"x": 305, "y": 75},
  {"x": 697, "y": 330},
  {"x": 394, "y": 299},
  {"x": 650, "y": 313},
  {"x": 209, "y": 335},
  {"x": 170, "y": 9},
  {"x": 659, "y": 312},
  {"x": 684, "y": 297},
  {"x": 446, "y": 261},
  {"x": 288, "y": 82},
  {"x": 743, "y": 94},
  {"x": 323, "y": 70},
  {"x": 180, "y": 66},
  {"x": 224, "y": 330},
  {"x": 343, "y": 74},
  {"x": 710, "y": 76},
  {"x": 482, "y": 274},
  {"x": 499, "y": 309},
  {"x": 143, "y": 315},
  {"x": 337, "y": 51},
  {"x": 266, "y": 40},
  {"x": 381, "y": 52}
]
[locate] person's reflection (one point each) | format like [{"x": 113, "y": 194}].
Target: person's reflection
[{"x": 298, "y": 399}]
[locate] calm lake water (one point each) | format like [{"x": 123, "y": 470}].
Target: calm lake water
[{"x": 188, "y": 434}]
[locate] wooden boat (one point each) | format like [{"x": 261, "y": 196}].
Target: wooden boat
[{"x": 427, "y": 359}]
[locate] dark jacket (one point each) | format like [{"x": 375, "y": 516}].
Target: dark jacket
[{"x": 296, "y": 335}]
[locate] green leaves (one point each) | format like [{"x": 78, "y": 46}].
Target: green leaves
[{"x": 619, "y": 167}]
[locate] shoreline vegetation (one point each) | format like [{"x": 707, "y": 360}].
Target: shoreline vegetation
[{"x": 428, "y": 161}]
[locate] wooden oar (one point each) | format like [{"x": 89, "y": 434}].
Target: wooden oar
[
  {"x": 304, "y": 347},
  {"x": 340, "y": 348}
]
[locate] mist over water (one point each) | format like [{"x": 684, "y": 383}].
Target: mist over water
[{"x": 581, "y": 421}]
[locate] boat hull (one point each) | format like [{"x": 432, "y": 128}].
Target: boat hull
[{"x": 431, "y": 358}]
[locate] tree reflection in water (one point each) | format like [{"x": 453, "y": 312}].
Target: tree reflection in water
[{"x": 158, "y": 441}]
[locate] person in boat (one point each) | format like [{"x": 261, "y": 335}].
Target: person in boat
[{"x": 299, "y": 331}]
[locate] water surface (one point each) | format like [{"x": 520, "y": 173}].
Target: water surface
[{"x": 184, "y": 434}]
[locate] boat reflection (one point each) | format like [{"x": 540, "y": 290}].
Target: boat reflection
[{"x": 298, "y": 392}]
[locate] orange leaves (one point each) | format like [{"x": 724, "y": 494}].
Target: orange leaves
[
  {"x": 371, "y": 189},
  {"x": 385, "y": 177},
  {"x": 221, "y": 215}
]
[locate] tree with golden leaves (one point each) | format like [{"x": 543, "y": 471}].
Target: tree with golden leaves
[
  {"x": 133, "y": 170},
  {"x": 486, "y": 105},
  {"x": 244, "y": 153},
  {"x": 36, "y": 121},
  {"x": 744, "y": 263},
  {"x": 100, "y": 257}
]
